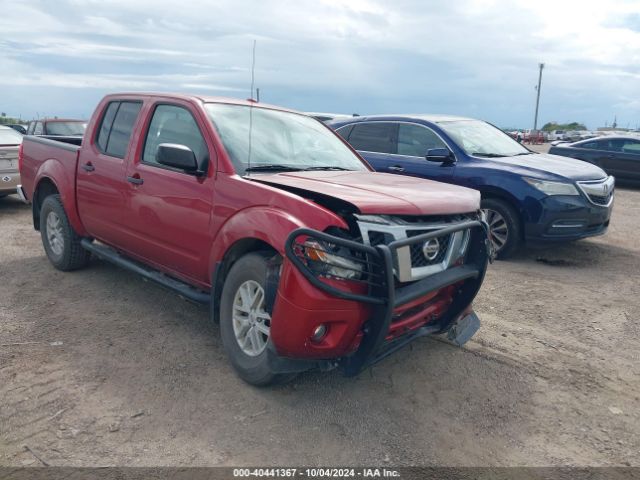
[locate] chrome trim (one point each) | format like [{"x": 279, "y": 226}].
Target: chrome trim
[
  {"x": 397, "y": 228},
  {"x": 569, "y": 225},
  {"x": 21, "y": 194},
  {"x": 598, "y": 188}
]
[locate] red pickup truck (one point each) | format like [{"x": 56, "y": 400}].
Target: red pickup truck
[{"x": 307, "y": 258}]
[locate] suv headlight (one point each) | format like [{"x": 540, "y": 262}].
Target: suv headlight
[
  {"x": 330, "y": 260},
  {"x": 552, "y": 188}
]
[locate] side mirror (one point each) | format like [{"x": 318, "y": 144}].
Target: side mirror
[
  {"x": 177, "y": 156},
  {"x": 440, "y": 155}
]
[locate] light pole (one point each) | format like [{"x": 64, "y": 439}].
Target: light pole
[{"x": 535, "y": 121}]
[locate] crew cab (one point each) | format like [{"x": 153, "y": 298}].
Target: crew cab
[
  {"x": 306, "y": 257},
  {"x": 527, "y": 197}
]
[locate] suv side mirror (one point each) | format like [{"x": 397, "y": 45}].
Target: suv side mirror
[
  {"x": 177, "y": 156},
  {"x": 440, "y": 155}
]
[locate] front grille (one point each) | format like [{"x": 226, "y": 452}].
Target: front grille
[
  {"x": 601, "y": 199},
  {"x": 380, "y": 238},
  {"x": 419, "y": 256},
  {"x": 416, "y": 260},
  {"x": 599, "y": 192}
]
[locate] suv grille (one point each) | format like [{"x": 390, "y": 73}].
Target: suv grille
[{"x": 599, "y": 192}]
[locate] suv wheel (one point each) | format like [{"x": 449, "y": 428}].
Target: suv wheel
[
  {"x": 61, "y": 243},
  {"x": 504, "y": 226},
  {"x": 244, "y": 323}
]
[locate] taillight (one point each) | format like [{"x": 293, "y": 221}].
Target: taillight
[{"x": 20, "y": 158}]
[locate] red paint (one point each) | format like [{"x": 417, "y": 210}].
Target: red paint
[{"x": 183, "y": 225}]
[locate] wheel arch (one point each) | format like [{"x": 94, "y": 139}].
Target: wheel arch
[
  {"x": 44, "y": 188},
  {"x": 503, "y": 195},
  {"x": 221, "y": 269}
]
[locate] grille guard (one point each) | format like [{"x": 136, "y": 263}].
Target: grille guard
[{"x": 384, "y": 296}]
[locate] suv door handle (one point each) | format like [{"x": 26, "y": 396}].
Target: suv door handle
[
  {"x": 396, "y": 168},
  {"x": 88, "y": 167},
  {"x": 135, "y": 180}
]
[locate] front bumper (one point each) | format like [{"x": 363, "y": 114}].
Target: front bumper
[
  {"x": 566, "y": 218},
  {"x": 367, "y": 324}
]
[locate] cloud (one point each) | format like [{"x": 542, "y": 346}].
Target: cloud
[{"x": 472, "y": 57}]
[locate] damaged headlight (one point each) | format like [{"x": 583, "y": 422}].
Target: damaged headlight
[{"x": 330, "y": 260}]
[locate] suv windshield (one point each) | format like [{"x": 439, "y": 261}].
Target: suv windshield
[
  {"x": 279, "y": 140},
  {"x": 66, "y": 128},
  {"x": 479, "y": 138}
]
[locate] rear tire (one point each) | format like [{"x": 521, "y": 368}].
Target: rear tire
[
  {"x": 61, "y": 243},
  {"x": 244, "y": 324},
  {"x": 504, "y": 226}
]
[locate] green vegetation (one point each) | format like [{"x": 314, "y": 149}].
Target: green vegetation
[
  {"x": 4, "y": 120},
  {"x": 547, "y": 127}
]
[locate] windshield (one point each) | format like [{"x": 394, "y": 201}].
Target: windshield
[
  {"x": 8, "y": 136},
  {"x": 279, "y": 140},
  {"x": 479, "y": 138},
  {"x": 66, "y": 128}
]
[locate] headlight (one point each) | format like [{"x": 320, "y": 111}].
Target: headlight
[
  {"x": 552, "y": 188},
  {"x": 330, "y": 260}
]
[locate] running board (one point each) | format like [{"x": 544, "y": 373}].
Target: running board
[{"x": 110, "y": 255}]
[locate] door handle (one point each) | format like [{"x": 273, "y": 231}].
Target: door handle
[
  {"x": 88, "y": 167},
  {"x": 396, "y": 168},
  {"x": 135, "y": 180}
]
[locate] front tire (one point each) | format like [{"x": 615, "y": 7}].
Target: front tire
[
  {"x": 61, "y": 243},
  {"x": 504, "y": 226},
  {"x": 244, "y": 323}
]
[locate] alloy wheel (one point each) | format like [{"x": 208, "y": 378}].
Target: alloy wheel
[
  {"x": 54, "y": 233},
  {"x": 251, "y": 323},
  {"x": 498, "y": 229}
]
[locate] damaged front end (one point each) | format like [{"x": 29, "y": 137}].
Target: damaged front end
[{"x": 417, "y": 278}]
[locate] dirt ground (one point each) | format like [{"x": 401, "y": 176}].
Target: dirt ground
[{"x": 98, "y": 367}]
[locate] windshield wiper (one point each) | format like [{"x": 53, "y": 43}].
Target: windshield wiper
[
  {"x": 272, "y": 167},
  {"x": 327, "y": 168},
  {"x": 488, "y": 155},
  {"x": 522, "y": 153}
]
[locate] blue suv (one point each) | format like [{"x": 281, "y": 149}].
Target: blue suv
[{"x": 526, "y": 196}]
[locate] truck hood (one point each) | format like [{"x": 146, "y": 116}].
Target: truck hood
[
  {"x": 550, "y": 167},
  {"x": 380, "y": 193}
]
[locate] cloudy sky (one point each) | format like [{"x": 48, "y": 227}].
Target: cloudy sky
[{"x": 472, "y": 57}]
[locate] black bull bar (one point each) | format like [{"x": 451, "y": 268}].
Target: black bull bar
[{"x": 386, "y": 296}]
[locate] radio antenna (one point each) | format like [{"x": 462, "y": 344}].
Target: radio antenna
[
  {"x": 253, "y": 69},
  {"x": 251, "y": 102}
]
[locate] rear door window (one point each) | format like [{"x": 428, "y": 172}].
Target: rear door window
[
  {"x": 38, "y": 130},
  {"x": 377, "y": 137},
  {"x": 116, "y": 128},
  {"x": 105, "y": 126}
]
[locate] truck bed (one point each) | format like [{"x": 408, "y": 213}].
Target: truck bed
[{"x": 57, "y": 156}]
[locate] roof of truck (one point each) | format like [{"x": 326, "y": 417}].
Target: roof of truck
[{"x": 204, "y": 99}]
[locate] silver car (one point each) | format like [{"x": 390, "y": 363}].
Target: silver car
[{"x": 10, "y": 141}]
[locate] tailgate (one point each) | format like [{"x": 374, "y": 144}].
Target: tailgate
[{"x": 8, "y": 158}]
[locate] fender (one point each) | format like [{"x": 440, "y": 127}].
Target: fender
[
  {"x": 506, "y": 195},
  {"x": 268, "y": 224},
  {"x": 63, "y": 178}
]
